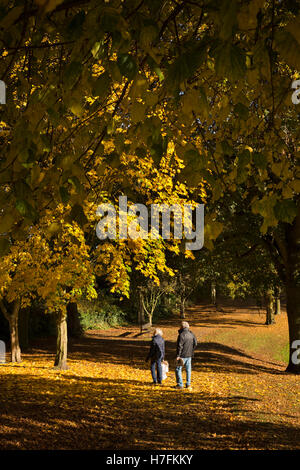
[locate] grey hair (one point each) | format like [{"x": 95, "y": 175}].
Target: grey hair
[
  {"x": 158, "y": 331},
  {"x": 185, "y": 324}
]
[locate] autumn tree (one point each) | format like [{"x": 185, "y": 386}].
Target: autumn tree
[
  {"x": 213, "y": 78},
  {"x": 20, "y": 278},
  {"x": 66, "y": 271}
]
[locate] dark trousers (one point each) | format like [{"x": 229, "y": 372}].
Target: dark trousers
[{"x": 156, "y": 364}]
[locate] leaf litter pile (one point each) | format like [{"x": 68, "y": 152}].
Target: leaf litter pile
[{"x": 241, "y": 398}]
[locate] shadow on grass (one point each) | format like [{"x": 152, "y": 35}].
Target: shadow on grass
[
  {"x": 214, "y": 356},
  {"x": 94, "y": 413}
]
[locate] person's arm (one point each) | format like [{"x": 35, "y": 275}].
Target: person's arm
[
  {"x": 179, "y": 346},
  {"x": 163, "y": 349},
  {"x": 194, "y": 341},
  {"x": 151, "y": 350}
]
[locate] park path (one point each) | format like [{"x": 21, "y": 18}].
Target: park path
[{"x": 241, "y": 397}]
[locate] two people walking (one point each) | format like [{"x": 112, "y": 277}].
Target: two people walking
[{"x": 186, "y": 344}]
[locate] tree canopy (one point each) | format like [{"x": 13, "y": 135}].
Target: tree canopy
[{"x": 172, "y": 101}]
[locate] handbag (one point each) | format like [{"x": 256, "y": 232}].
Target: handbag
[{"x": 164, "y": 369}]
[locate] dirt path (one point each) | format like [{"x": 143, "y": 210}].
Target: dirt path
[{"x": 241, "y": 396}]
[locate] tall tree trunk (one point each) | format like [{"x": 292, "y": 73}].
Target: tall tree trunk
[
  {"x": 270, "y": 318},
  {"x": 277, "y": 306},
  {"x": 293, "y": 293},
  {"x": 2, "y": 352},
  {"x": 213, "y": 291},
  {"x": 141, "y": 311},
  {"x": 62, "y": 341},
  {"x": 13, "y": 320},
  {"x": 182, "y": 306},
  {"x": 14, "y": 338},
  {"x": 277, "y": 301}
]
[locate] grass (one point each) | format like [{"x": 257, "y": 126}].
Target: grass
[{"x": 240, "y": 398}]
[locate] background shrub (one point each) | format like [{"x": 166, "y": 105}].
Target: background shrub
[{"x": 100, "y": 314}]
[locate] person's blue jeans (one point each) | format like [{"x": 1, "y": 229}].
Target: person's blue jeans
[
  {"x": 188, "y": 368},
  {"x": 156, "y": 364}
]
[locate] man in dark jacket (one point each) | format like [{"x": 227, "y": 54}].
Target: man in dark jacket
[
  {"x": 186, "y": 344},
  {"x": 156, "y": 355}
]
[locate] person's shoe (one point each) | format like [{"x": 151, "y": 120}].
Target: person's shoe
[
  {"x": 154, "y": 384},
  {"x": 188, "y": 387},
  {"x": 178, "y": 387}
]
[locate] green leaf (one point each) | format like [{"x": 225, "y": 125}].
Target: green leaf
[
  {"x": 212, "y": 230},
  {"x": 64, "y": 195},
  {"x": 11, "y": 17},
  {"x": 191, "y": 102},
  {"x": 74, "y": 28},
  {"x": 6, "y": 223},
  {"x": 127, "y": 65},
  {"x": 259, "y": 160},
  {"x": 186, "y": 64},
  {"x": 78, "y": 215},
  {"x": 96, "y": 49},
  {"x": 72, "y": 73},
  {"x": 76, "y": 107},
  {"x": 48, "y": 5},
  {"x": 265, "y": 207},
  {"x": 288, "y": 48},
  {"x": 285, "y": 210},
  {"x": 194, "y": 164},
  {"x": 230, "y": 61},
  {"x": 101, "y": 86},
  {"x": 4, "y": 246},
  {"x": 155, "y": 68},
  {"x": 244, "y": 159},
  {"x": 228, "y": 16},
  {"x": 113, "y": 160},
  {"x": 22, "y": 207},
  {"x": 114, "y": 71},
  {"x": 226, "y": 148},
  {"x": 75, "y": 183},
  {"x": 241, "y": 111},
  {"x": 204, "y": 106},
  {"x": 148, "y": 34},
  {"x": 23, "y": 191},
  {"x": 137, "y": 112},
  {"x": 110, "y": 20}
]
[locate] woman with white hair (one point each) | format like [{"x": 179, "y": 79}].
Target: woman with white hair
[{"x": 156, "y": 355}]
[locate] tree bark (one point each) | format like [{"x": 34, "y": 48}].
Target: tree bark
[
  {"x": 62, "y": 342},
  {"x": 293, "y": 293},
  {"x": 277, "y": 306},
  {"x": 182, "y": 307},
  {"x": 14, "y": 339},
  {"x": 277, "y": 301},
  {"x": 213, "y": 293},
  {"x": 141, "y": 311},
  {"x": 13, "y": 320},
  {"x": 270, "y": 318}
]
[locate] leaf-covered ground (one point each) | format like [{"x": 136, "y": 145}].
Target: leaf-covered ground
[{"x": 241, "y": 396}]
